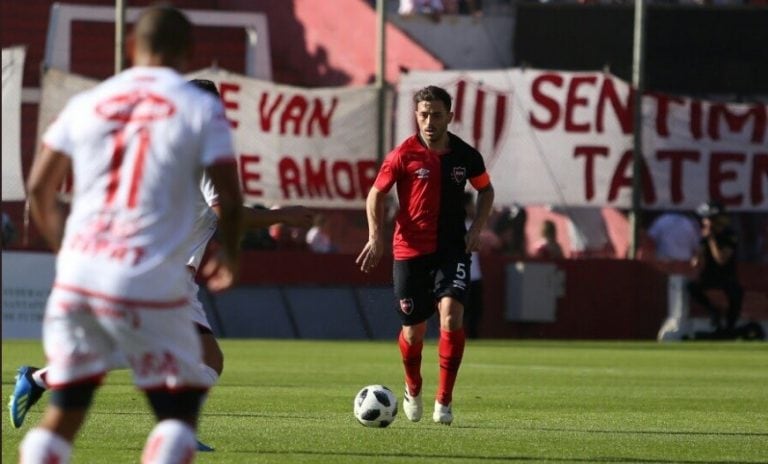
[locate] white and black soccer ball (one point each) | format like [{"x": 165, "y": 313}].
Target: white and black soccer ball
[{"x": 375, "y": 406}]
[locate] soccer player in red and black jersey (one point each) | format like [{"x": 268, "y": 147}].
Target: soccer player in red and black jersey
[{"x": 431, "y": 243}]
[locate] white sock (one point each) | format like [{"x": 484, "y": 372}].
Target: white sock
[
  {"x": 43, "y": 446},
  {"x": 37, "y": 376},
  {"x": 171, "y": 442}
]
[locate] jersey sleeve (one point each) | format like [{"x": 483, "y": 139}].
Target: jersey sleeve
[
  {"x": 477, "y": 174},
  {"x": 58, "y": 136},
  {"x": 389, "y": 172},
  {"x": 217, "y": 145}
]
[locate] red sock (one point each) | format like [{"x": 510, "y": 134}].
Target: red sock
[
  {"x": 412, "y": 364},
  {"x": 451, "y": 350}
]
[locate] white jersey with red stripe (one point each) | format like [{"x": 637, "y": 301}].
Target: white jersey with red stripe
[{"x": 138, "y": 143}]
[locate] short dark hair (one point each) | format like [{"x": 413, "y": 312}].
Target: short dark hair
[
  {"x": 206, "y": 85},
  {"x": 432, "y": 93},
  {"x": 163, "y": 30}
]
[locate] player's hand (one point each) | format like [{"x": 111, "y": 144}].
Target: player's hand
[
  {"x": 298, "y": 216},
  {"x": 370, "y": 256},
  {"x": 472, "y": 240},
  {"x": 219, "y": 272}
]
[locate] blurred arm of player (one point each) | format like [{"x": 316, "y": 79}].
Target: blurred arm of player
[
  {"x": 295, "y": 216},
  {"x": 221, "y": 271},
  {"x": 374, "y": 209},
  {"x": 484, "y": 206},
  {"x": 48, "y": 173}
]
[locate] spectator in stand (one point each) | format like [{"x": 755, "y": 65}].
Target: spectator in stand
[
  {"x": 472, "y": 7},
  {"x": 716, "y": 262},
  {"x": 519, "y": 217},
  {"x": 451, "y": 7},
  {"x": 675, "y": 237},
  {"x": 287, "y": 237},
  {"x": 547, "y": 247},
  {"x": 646, "y": 249},
  {"x": 587, "y": 232},
  {"x": 433, "y": 8},
  {"x": 510, "y": 229},
  {"x": 319, "y": 237},
  {"x": 258, "y": 239},
  {"x": 462, "y": 7}
]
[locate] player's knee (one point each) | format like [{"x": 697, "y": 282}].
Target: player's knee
[
  {"x": 451, "y": 322},
  {"x": 414, "y": 334},
  {"x": 75, "y": 396},
  {"x": 184, "y": 405}
]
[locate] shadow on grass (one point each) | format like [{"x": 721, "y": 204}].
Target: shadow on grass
[
  {"x": 472, "y": 458},
  {"x": 293, "y": 416}
]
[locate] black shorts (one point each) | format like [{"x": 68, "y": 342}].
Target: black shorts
[{"x": 422, "y": 281}]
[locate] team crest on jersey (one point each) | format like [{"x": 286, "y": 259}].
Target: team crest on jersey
[
  {"x": 406, "y": 305},
  {"x": 459, "y": 174},
  {"x": 422, "y": 173}
]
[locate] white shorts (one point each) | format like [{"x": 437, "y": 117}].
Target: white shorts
[
  {"x": 83, "y": 332},
  {"x": 198, "y": 312}
]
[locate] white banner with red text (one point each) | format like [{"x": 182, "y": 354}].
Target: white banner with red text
[
  {"x": 13, "y": 69},
  {"x": 565, "y": 139},
  {"x": 557, "y": 138},
  {"x": 314, "y": 147}
]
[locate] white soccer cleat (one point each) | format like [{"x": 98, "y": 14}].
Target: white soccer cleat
[
  {"x": 443, "y": 414},
  {"x": 413, "y": 406}
]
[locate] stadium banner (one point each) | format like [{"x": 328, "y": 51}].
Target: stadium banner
[
  {"x": 314, "y": 147},
  {"x": 565, "y": 139},
  {"x": 13, "y": 70},
  {"x": 27, "y": 281}
]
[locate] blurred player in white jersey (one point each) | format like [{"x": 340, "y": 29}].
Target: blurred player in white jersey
[
  {"x": 136, "y": 144},
  {"x": 31, "y": 382}
]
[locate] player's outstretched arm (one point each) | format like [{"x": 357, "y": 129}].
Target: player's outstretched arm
[
  {"x": 254, "y": 219},
  {"x": 374, "y": 248},
  {"x": 296, "y": 216},
  {"x": 48, "y": 173}
]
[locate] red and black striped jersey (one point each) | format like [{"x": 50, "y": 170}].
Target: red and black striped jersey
[{"x": 430, "y": 187}]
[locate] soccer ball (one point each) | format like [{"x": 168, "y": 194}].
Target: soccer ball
[{"x": 375, "y": 406}]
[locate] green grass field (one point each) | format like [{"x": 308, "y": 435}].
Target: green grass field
[{"x": 570, "y": 402}]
